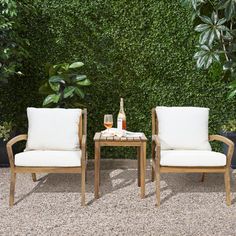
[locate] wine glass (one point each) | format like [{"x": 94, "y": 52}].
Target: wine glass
[{"x": 108, "y": 121}]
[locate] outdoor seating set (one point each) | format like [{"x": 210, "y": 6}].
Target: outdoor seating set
[{"x": 56, "y": 143}]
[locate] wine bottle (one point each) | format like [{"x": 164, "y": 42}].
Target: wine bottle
[{"x": 121, "y": 119}]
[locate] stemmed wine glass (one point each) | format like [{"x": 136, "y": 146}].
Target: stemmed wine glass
[{"x": 108, "y": 121}]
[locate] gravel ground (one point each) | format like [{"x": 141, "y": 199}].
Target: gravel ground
[{"x": 51, "y": 206}]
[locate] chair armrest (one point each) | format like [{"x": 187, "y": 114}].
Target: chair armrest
[
  {"x": 226, "y": 141},
  {"x": 84, "y": 154},
  {"x": 9, "y": 145},
  {"x": 221, "y": 138},
  {"x": 157, "y": 147},
  {"x": 156, "y": 140}
]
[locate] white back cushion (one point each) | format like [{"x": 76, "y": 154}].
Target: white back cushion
[
  {"x": 53, "y": 129},
  {"x": 183, "y": 128}
]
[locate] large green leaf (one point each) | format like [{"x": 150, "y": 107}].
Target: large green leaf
[
  {"x": 211, "y": 30},
  {"x": 55, "y": 86},
  {"x": 202, "y": 27},
  {"x": 232, "y": 94},
  {"x": 76, "y": 65},
  {"x": 229, "y": 7},
  {"x": 80, "y": 77},
  {"x": 206, "y": 56},
  {"x": 68, "y": 91},
  {"x": 85, "y": 82},
  {"x": 192, "y": 3},
  {"x": 79, "y": 92},
  {"x": 51, "y": 98},
  {"x": 229, "y": 65},
  {"x": 206, "y": 19},
  {"x": 56, "y": 79},
  {"x": 45, "y": 89}
]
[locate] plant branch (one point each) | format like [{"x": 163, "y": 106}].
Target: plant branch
[
  {"x": 224, "y": 47},
  {"x": 231, "y": 24}
]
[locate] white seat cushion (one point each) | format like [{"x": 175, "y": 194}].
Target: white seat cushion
[
  {"x": 192, "y": 158},
  {"x": 48, "y": 158},
  {"x": 183, "y": 128},
  {"x": 53, "y": 129}
]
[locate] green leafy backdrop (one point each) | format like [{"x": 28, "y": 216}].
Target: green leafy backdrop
[{"x": 140, "y": 50}]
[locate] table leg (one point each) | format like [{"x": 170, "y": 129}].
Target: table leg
[
  {"x": 143, "y": 168},
  {"x": 138, "y": 159},
  {"x": 97, "y": 170}
]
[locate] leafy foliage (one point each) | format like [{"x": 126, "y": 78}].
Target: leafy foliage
[
  {"x": 217, "y": 37},
  {"x": 64, "y": 85},
  {"x": 12, "y": 45},
  {"x": 139, "y": 50},
  {"x": 230, "y": 126},
  {"x": 5, "y": 130}
]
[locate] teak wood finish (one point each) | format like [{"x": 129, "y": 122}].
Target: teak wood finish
[
  {"x": 157, "y": 169},
  {"x": 139, "y": 142},
  {"x": 33, "y": 170}
]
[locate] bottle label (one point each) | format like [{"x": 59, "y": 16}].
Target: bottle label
[{"x": 119, "y": 123}]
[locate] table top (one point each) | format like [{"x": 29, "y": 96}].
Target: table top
[{"x": 99, "y": 137}]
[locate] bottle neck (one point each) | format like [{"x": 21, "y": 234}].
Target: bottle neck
[{"x": 121, "y": 105}]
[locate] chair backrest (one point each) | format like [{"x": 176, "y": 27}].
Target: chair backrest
[
  {"x": 55, "y": 128},
  {"x": 184, "y": 128}
]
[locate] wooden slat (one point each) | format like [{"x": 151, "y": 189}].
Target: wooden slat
[
  {"x": 136, "y": 138},
  {"x": 102, "y": 137},
  {"x": 130, "y": 138},
  {"x": 110, "y": 138},
  {"x": 97, "y": 136},
  {"x": 120, "y": 143},
  {"x": 166, "y": 169},
  {"x": 47, "y": 169},
  {"x": 143, "y": 137},
  {"x": 116, "y": 138}
]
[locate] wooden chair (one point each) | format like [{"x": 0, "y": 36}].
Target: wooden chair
[
  {"x": 167, "y": 161},
  {"x": 34, "y": 163}
]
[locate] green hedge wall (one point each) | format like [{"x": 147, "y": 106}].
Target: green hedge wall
[{"x": 140, "y": 50}]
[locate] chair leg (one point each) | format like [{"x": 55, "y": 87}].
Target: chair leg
[
  {"x": 203, "y": 177},
  {"x": 86, "y": 170},
  {"x": 158, "y": 191},
  {"x": 86, "y": 176},
  {"x": 34, "y": 177},
  {"x": 138, "y": 159},
  {"x": 227, "y": 187},
  {"x": 153, "y": 161},
  {"x": 12, "y": 188},
  {"x": 83, "y": 179}
]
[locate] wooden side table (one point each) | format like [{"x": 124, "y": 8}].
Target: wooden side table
[{"x": 139, "y": 142}]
